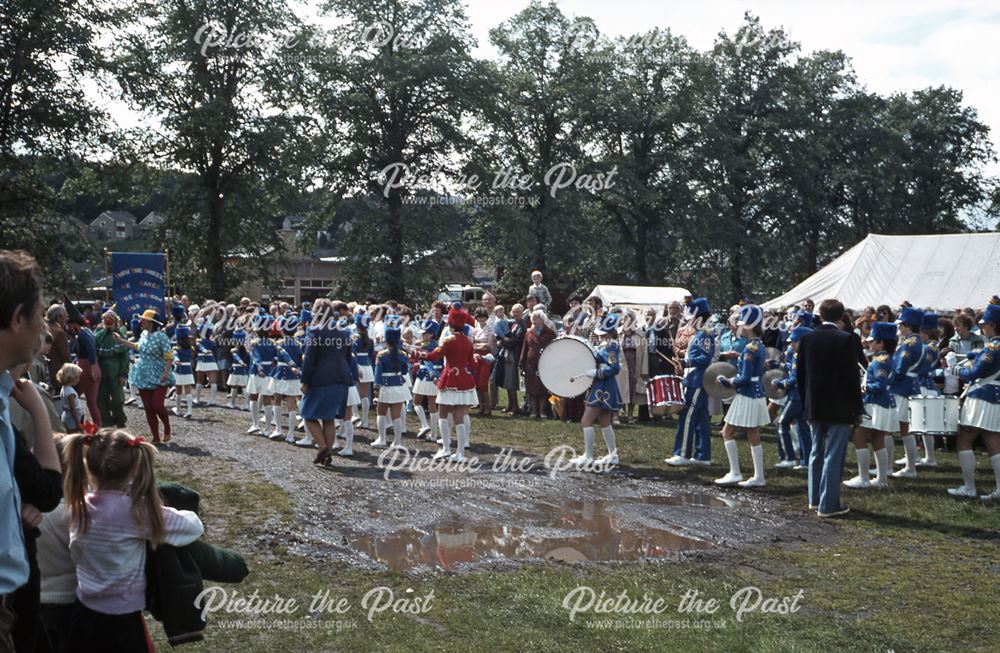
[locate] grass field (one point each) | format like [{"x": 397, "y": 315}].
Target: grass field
[{"x": 908, "y": 569}]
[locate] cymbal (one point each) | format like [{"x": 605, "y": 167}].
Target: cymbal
[
  {"x": 772, "y": 354},
  {"x": 772, "y": 391},
  {"x": 712, "y": 387}
]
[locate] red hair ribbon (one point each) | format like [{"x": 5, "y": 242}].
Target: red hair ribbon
[
  {"x": 135, "y": 442},
  {"x": 89, "y": 428},
  {"x": 88, "y": 439}
]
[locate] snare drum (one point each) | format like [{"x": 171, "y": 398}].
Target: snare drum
[
  {"x": 663, "y": 393},
  {"x": 934, "y": 415},
  {"x": 562, "y": 364}
]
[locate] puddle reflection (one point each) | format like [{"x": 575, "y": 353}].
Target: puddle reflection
[{"x": 569, "y": 530}]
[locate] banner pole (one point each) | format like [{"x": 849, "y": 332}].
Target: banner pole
[
  {"x": 166, "y": 272},
  {"x": 107, "y": 273}
]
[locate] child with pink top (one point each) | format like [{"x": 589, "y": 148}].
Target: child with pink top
[{"x": 109, "y": 528}]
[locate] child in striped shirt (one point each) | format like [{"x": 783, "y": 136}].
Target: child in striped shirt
[{"x": 109, "y": 528}]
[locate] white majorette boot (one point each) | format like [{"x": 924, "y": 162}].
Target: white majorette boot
[
  {"x": 860, "y": 481},
  {"x": 254, "y": 418},
  {"x": 881, "y": 469},
  {"x": 588, "y": 448},
  {"x": 380, "y": 424},
  {"x": 995, "y": 494},
  {"x": 445, "y": 450},
  {"x": 967, "y": 461},
  {"x": 611, "y": 459},
  {"x": 910, "y": 461},
  {"x": 733, "y": 476},
  {"x": 459, "y": 455},
  {"x": 397, "y": 433},
  {"x": 348, "y": 449},
  {"x": 757, "y": 480},
  {"x": 930, "y": 457}
]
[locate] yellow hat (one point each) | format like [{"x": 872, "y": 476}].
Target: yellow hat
[{"x": 151, "y": 315}]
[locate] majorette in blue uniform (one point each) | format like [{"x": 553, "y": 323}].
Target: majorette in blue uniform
[
  {"x": 792, "y": 411},
  {"x": 694, "y": 430},
  {"x": 286, "y": 377},
  {"x": 603, "y": 393},
  {"x": 981, "y": 409},
  {"x": 363, "y": 350},
  {"x": 263, "y": 354},
  {"x": 206, "y": 362},
  {"x": 425, "y": 388},
  {"x": 239, "y": 370},
  {"x": 183, "y": 372},
  {"x": 391, "y": 367},
  {"x": 879, "y": 417},
  {"x": 906, "y": 372},
  {"x": 748, "y": 409},
  {"x": 929, "y": 357}
]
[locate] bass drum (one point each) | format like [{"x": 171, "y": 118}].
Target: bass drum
[{"x": 562, "y": 364}]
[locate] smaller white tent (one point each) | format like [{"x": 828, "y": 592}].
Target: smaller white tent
[
  {"x": 637, "y": 297},
  {"x": 943, "y": 272}
]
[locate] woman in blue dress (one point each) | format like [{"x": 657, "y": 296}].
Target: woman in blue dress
[
  {"x": 328, "y": 370},
  {"x": 603, "y": 399}
]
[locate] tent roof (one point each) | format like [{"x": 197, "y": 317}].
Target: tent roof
[
  {"x": 934, "y": 271},
  {"x": 636, "y": 296}
]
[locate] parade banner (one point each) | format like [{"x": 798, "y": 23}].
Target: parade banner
[{"x": 138, "y": 282}]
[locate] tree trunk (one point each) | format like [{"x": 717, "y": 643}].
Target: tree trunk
[
  {"x": 214, "y": 255},
  {"x": 397, "y": 273},
  {"x": 641, "y": 269}
]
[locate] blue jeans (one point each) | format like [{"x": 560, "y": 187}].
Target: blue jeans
[
  {"x": 792, "y": 412},
  {"x": 694, "y": 431},
  {"x": 826, "y": 464}
]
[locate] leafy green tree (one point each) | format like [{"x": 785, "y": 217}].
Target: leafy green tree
[
  {"x": 47, "y": 123},
  {"x": 212, "y": 77},
  {"x": 390, "y": 86}
]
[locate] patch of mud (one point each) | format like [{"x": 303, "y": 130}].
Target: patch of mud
[{"x": 424, "y": 519}]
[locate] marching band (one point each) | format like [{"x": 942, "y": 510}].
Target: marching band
[{"x": 429, "y": 366}]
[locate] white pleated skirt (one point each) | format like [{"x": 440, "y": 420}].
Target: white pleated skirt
[
  {"x": 204, "y": 366},
  {"x": 902, "y": 408},
  {"x": 394, "y": 394},
  {"x": 238, "y": 380},
  {"x": 288, "y": 387},
  {"x": 452, "y": 397},
  {"x": 980, "y": 414},
  {"x": 880, "y": 418},
  {"x": 260, "y": 385},
  {"x": 353, "y": 396},
  {"x": 365, "y": 374},
  {"x": 183, "y": 379},
  {"x": 748, "y": 412},
  {"x": 425, "y": 388}
]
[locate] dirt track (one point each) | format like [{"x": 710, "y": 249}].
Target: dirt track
[{"x": 423, "y": 518}]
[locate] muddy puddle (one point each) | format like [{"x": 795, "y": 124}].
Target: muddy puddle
[{"x": 624, "y": 529}]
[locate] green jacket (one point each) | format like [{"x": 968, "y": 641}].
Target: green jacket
[
  {"x": 174, "y": 575},
  {"x": 112, "y": 355}
]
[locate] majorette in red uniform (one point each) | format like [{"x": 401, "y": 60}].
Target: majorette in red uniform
[{"x": 457, "y": 386}]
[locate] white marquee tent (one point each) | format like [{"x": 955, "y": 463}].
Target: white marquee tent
[
  {"x": 639, "y": 296},
  {"x": 936, "y": 271}
]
